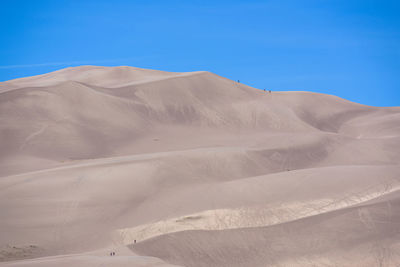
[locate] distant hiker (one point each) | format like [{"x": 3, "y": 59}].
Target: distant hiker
[
  {"x": 269, "y": 91},
  {"x": 264, "y": 89},
  {"x": 111, "y": 253},
  {"x": 238, "y": 81},
  {"x": 134, "y": 241}
]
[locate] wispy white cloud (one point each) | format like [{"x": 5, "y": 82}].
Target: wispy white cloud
[{"x": 86, "y": 62}]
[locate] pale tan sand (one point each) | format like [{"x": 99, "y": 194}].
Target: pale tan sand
[
  {"x": 123, "y": 258},
  {"x": 199, "y": 169}
]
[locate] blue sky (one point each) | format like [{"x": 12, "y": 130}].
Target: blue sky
[{"x": 346, "y": 48}]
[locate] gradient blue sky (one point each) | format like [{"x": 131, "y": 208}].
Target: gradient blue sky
[{"x": 347, "y": 48}]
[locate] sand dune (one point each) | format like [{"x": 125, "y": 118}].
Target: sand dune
[
  {"x": 365, "y": 235},
  {"x": 198, "y": 169}
]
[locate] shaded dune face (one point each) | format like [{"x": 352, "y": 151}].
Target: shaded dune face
[
  {"x": 74, "y": 105},
  {"x": 199, "y": 169}
]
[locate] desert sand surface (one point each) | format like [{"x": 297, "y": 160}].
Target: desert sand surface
[{"x": 200, "y": 170}]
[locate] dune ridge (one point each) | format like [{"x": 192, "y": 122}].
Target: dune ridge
[{"x": 198, "y": 169}]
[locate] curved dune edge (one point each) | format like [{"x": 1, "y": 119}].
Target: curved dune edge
[
  {"x": 248, "y": 217},
  {"x": 360, "y": 235},
  {"x": 55, "y": 79}
]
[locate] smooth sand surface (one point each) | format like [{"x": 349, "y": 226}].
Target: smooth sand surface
[{"x": 198, "y": 169}]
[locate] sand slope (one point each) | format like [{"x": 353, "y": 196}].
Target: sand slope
[{"x": 199, "y": 169}]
